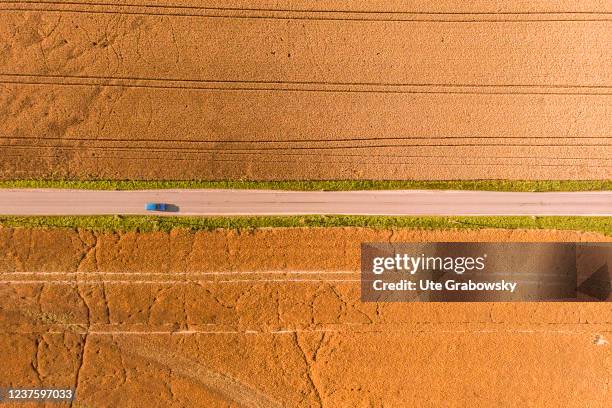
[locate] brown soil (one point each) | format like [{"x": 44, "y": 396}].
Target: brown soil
[
  {"x": 380, "y": 90},
  {"x": 273, "y": 318}
]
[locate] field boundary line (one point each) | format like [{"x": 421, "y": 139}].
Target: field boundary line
[
  {"x": 184, "y": 6},
  {"x": 301, "y": 14},
  {"x": 221, "y": 85}
]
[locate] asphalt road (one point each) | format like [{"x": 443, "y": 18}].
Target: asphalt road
[{"x": 265, "y": 202}]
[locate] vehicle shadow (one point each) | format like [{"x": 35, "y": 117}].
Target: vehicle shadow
[{"x": 172, "y": 208}]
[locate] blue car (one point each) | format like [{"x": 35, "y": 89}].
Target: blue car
[{"x": 155, "y": 207}]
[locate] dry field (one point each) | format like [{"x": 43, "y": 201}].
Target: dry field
[
  {"x": 306, "y": 90},
  {"x": 273, "y": 318}
]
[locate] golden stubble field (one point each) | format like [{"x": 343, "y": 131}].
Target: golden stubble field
[
  {"x": 296, "y": 90},
  {"x": 272, "y": 317}
]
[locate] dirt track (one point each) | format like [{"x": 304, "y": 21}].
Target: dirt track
[
  {"x": 255, "y": 90},
  {"x": 273, "y": 317}
]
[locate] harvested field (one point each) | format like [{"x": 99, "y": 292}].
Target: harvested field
[
  {"x": 272, "y": 317},
  {"x": 295, "y": 90}
]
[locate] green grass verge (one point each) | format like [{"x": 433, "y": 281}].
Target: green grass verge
[
  {"x": 148, "y": 223},
  {"x": 341, "y": 185}
]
